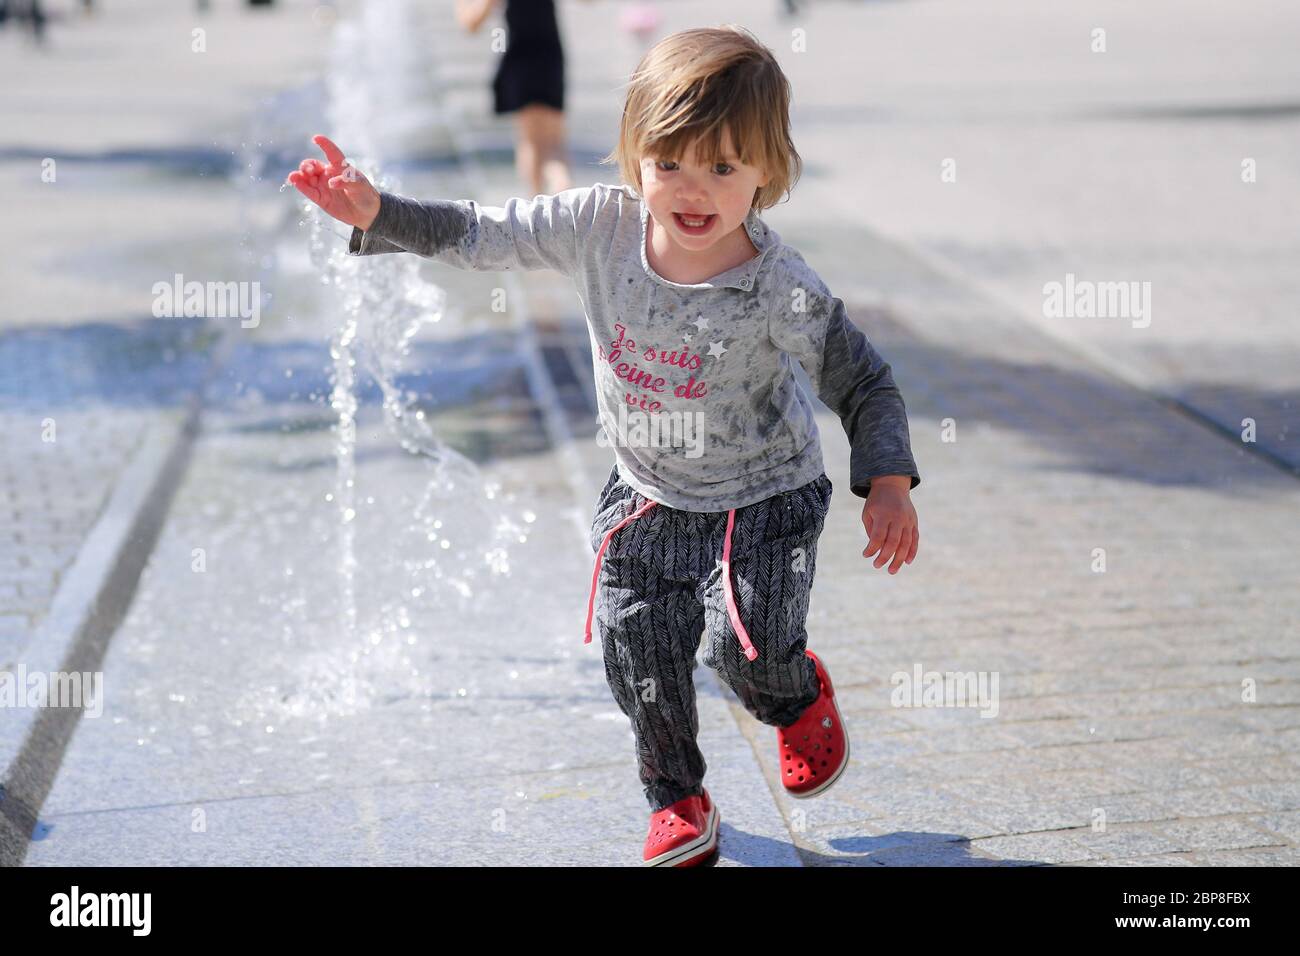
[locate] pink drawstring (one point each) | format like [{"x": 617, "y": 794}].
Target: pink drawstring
[
  {"x": 732, "y": 612},
  {"x": 595, "y": 576}
]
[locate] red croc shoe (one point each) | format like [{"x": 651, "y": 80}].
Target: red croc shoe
[
  {"x": 814, "y": 750},
  {"x": 684, "y": 834}
]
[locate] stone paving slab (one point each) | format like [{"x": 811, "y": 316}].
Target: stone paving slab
[{"x": 76, "y": 405}]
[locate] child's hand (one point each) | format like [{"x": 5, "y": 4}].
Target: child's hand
[
  {"x": 890, "y": 521},
  {"x": 338, "y": 188}
]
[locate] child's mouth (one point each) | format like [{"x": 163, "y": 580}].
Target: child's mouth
[{"x": 694, "y": 225}]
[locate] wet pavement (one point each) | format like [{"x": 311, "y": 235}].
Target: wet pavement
[{"x": 407, "y": 684}]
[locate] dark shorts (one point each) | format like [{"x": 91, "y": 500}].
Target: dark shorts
[{"x": 520, "y": 81}]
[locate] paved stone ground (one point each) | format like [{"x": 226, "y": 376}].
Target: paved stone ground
[
  {"x": 1125, "y": 165},
  {"x": 141, "y": 191},
  {"x": 76, "y": 405},
  {"x": 1121, "y": 736}
]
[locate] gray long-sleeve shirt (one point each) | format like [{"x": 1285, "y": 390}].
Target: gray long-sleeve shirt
[{"x": 695, "y": 386}]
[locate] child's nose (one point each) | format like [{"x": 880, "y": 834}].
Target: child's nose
[{"x": 692, "y": 190}]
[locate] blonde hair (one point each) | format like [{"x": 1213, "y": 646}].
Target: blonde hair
[{"x": 698, "y": 82}]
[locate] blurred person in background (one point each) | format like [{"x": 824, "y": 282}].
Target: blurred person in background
[
  {"x": 529, "y": 82},
  {"x": 27, "y": 10}
]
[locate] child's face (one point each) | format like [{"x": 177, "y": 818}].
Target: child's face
[{"x": 722, "y": 190}]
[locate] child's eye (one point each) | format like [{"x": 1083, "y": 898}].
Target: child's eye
[{"x": 660, "y": 164}]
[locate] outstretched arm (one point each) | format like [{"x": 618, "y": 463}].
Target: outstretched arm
[{"x": 545, "y": 232}]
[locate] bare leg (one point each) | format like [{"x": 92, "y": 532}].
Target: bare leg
[
  {"x": 540, "y": 151},
  {"x": 526, "y": 164},
  {"x": 528, "y": 155},
  {"x": 556, "y": 165}
]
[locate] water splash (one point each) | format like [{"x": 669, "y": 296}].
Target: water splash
[
  {"x": 343, "y": 400},
  {"x": 461, "y": 528}
]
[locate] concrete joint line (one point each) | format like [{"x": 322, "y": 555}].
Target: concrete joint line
[{"x": 92, "y": 599}]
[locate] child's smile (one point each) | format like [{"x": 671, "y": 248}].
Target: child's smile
[{"x": 695, "y": 225}]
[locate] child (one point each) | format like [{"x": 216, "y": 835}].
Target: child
[{"x": 695, "y": 308}]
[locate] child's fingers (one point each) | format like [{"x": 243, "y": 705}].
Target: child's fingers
[
  {"x": 332, "y": 153},
  {"x": 886, "y": 540},
  {"x": 900, "y": 555},
  {"x": 892, "y": 551},
  {"x": 887, "y": 552},
  {"x": 304, "y": 186},
  {"x": 348, "y": 179},
  {"x": 875, "y": 534}
]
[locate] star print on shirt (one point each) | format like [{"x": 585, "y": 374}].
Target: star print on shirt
[
  {"x": 716, "y": 350},
  {"x": 701, "y": 323}
]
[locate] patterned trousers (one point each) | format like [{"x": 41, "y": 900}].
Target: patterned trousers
[{"x": 660, "y": 588}]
